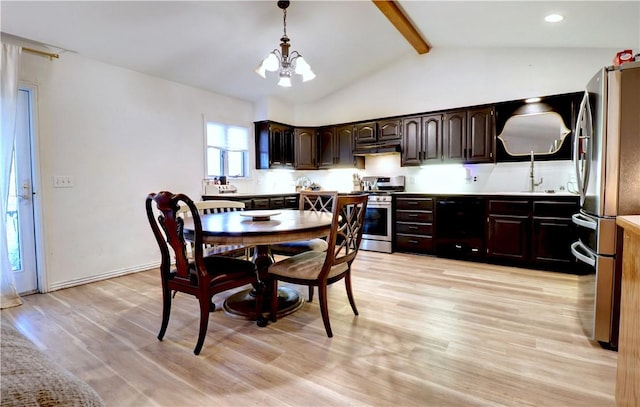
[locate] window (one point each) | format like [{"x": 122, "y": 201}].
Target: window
[{"x": 227, "y": 150}]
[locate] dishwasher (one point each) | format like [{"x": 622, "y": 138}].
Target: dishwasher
[{"x": 460, "y": 227}]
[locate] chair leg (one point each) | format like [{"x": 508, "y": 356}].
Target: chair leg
[
  {"x": 274, "y": 299},
  {"x": 310, "y": 293},
  {"x": 166, "y": 312},
  {"x": 324, "y": 309},
  {"x": 204, "y": 323},
  {"x": 347, "y": 283}
]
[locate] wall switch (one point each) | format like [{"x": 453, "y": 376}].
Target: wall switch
[{"x": 62, "y": 181}]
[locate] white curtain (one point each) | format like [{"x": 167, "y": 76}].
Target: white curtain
[{"x": 9, "y": 63}]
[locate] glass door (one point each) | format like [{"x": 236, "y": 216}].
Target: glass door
[{"x": 20, "y": 214}]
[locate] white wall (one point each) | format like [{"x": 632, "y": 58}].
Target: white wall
[
  {"x": 121, "y": 135},
  {"x": 449, "y": 78}
]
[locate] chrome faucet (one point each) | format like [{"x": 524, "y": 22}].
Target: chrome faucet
[{"x": 532, "y": 181}]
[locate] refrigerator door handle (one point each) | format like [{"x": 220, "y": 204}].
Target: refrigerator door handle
[
  {"x": 586, "y": 257},
  {"x": 581, "y": 140},
  {"x": 584, "y": 221}
]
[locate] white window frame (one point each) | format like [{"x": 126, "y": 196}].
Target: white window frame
[{"x": 247, "y": 160}]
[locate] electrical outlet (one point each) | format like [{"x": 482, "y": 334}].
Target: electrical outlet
[{"x": 62, "y": 181}]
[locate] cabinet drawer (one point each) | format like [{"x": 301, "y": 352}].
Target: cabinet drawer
[
  {"x": 500, "y": 207},
  {"x": 414, "y": 216},
  {"x": 414, "y": 228},
  {"x": 276, "y": 203},
  {"x": 423, "y": 204},
  {"x": 261, "y": 203},
  {"x": 412, "y": 243},
  {"x": 554, "y": 209},
  {"x": 291, "y": 202}
]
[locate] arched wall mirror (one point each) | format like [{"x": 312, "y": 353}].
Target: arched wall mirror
[
  {"x": 540, "y": 133},
  {"x": 544, "y": 127}
]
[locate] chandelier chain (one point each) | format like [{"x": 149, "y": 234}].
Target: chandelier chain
[{"x": 284, "y": 21}]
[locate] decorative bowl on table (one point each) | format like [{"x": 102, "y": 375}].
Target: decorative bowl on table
[{"x": 259, "y": 215}]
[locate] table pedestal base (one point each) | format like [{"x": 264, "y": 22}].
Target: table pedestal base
[{"x": 243, "y": 304}]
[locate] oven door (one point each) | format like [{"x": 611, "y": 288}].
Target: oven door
[{"x": 376, "y": 235}]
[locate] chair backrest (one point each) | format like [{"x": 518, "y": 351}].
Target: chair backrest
[
  {"x": 319, "y": 201},
  {"x": 213, "y": 206},
  {"x": 347, "y": 227},
  {"x": 168, "y": 230}
]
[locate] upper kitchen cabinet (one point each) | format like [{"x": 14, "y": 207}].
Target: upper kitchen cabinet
[
  {"x": 305, "y": 142},
  {"x": 468, "y": 135},
  {"x": 421, "y": 139},
  {"x": 388, "y": 131},
  {"x": 335, "y": 145},
  {"x": 274, "y": 145},
  {"x": 365, "y": 133}
]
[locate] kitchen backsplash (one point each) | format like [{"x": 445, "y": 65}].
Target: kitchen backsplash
[{"x": 442, "y": 178}]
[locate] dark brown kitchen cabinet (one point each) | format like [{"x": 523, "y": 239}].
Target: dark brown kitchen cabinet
[
  {"x": 508, "y": 230},
  {"x": 266, "y": 201},
  {"x": 274, "y": 145},
  {"x": 421, "y": 139},
  {"x": 365, "y": 133},
  {"x": 468, "y": 135},
  {"x": 553, "y": 232},
  {"x": 480, "y": 140},
  {"x": 414, "y": 224},
  {"x": 389, "y": 130},
  {"x": 536, "y": 232},
  {"x": 335, "y": 145},
  {"x": 305, "y": 142}
]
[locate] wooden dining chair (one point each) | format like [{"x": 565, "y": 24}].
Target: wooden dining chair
[
  {"x": 202, "y": 277},
  {"x": 323, "y": 268},
  {"x": 218, "y": 206},
  {"x": 319, "y": 201}
]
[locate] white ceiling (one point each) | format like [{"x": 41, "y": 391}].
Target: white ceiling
[{"x": 215, "y": 45}]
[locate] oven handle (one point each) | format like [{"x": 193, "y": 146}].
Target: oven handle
[
  {"x": 587, "y": 257},
  {"x": 584, "y": 221}
]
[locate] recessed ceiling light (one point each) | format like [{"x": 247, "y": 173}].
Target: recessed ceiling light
[
  {"x": 553, "y": 18},
  {"x": 532, "y": 100}
]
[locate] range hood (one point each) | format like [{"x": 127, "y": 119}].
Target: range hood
[{"x": 376, "y": 148}]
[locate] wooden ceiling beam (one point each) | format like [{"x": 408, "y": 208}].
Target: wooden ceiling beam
[{"x": 396, "y": 16}]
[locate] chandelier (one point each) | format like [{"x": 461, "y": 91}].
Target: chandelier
[{"x": 285, "y": 63}]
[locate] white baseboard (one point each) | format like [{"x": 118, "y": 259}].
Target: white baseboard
[{"x": 103, "y": 276}]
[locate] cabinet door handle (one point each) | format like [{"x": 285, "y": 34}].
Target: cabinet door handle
[
  {"x": 413, "y": 215},
  {"x": 412, "y": 203},
  {"x": 413, "y": 227},
  {"x": 413, "y": 241}
]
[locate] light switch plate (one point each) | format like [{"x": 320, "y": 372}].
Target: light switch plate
[{"x": 62, "y": 181}]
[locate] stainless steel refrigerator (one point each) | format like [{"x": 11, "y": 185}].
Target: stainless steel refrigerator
[{"x": 607, "y": 159}]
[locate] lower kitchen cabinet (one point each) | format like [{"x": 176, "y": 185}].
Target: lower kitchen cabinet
[
  {"x": 552, "y": 229},
  {"x": 414, "y": 224},
  {"x": 508, "y": 230},
  {"x": 269, "y": 201},
  {"x": 531, "y": 232}
]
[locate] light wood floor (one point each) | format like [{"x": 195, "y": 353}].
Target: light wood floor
[{"x": 431, "y": 332}]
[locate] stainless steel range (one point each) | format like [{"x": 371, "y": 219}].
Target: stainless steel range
[{"x": 377, "y": 234}]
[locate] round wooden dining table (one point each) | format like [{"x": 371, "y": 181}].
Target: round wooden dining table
[{"x": 261, "y": 229}]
